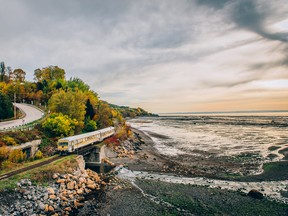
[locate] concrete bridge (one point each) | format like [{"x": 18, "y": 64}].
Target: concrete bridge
[
  {"x": 30, "y": 147},
  {"x": 93, "y": 156}
]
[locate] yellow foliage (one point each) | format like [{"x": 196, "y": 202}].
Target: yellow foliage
[
  {"x": 123, "y": 132},
  {"x": 38, "y": 155},
  {"x": 4, "y": 152},
  {"x": 9, "y": 141},
  {"x": 17, "y": 156}
]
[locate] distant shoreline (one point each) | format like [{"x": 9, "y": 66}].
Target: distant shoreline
[{"x": 236, "y": 113}]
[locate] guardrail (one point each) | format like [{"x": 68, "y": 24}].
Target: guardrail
[
  {"x": 24, "y": 127},
  {"x": 28, "y": 126}
]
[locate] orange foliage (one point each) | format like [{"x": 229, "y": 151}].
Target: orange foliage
[{"x": 4, "y": 153}]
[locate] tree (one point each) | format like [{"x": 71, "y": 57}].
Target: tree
[
  {"x": 104, "y": 115},
  {"x": 69, "y": 103},
  {"x": 6, "y": 107},
  {"x": 90, "y": 125},
  {"x": 90, "y": 112},
  {"x": 60, "y": 125},
  {"x": 19, "y": 75},
  {"x": 49, "y": 73},
  {"x": 2, "y": 71},
  {"x": 77, "y": 84}
]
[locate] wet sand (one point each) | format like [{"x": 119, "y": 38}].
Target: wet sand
[{"x": 153, "y": 184}]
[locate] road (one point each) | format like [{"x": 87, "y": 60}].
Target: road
[{"x": 31, "y": 112}]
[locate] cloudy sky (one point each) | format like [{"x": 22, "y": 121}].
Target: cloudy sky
[{"x": 162, "y": 55}]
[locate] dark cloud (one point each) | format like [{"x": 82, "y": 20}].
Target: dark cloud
[{"x": 246, "y": 15}]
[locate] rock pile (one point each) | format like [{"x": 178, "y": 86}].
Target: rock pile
[
  {"x": 63, "y": 197},
  {"x": 129, "y": 147}
]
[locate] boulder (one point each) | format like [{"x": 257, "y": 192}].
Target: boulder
[
  {"x": 80, "y": 191},
  {"x": 68, "y": 209},
  {"x": 41, "y": 206},
  {"x": 52, "y": 196},
  {"x": 59, "y": 181},
  {"x": 63, "y": 198},
  {"x": 89, "y": 182},
  {"x": 255, "y": 194},
  {"x": 55, "y": 176},
  {"x": 91, "y": 186},
  {"x": 50, "y": 191},
  {"x": 46, "y": 208},
  {"x": 77, "y": 204},
  {"x": 71, "y": 185},
  {"x": 50, "y": 208},
  {"x": 82, "y": 180},
  {"x": 81, "y": 163}
]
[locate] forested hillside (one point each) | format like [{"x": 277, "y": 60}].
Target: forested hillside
[
  {"x": 71, "y": 103},
  {"x": 71, "y": 107}
]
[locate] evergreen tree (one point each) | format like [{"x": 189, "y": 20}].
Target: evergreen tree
[{"x": 6, "y": 107}]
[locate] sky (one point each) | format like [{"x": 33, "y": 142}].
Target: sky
[{"x": 161, "y": 55}]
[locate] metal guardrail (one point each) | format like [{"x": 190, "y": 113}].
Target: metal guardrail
[{"x": 28, "y": 126}]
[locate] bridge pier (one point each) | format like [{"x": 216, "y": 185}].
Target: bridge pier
[
  {"x": 95, "y": 155},
  {"x": 93, "y": 160}
]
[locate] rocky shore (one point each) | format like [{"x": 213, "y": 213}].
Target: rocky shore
[{"x": 86, "y": 192}]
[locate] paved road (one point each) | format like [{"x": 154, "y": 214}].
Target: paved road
[{"x": 31, "y": 112}]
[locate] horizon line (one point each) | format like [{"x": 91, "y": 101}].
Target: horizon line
[{"x": 243, "y": 111}]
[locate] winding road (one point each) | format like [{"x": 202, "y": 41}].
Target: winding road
[{"x": 31, "y": 114}]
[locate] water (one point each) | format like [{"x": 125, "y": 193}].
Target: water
[
  {"x": 270, "y": 189},
  {"x": 223, "y": 144},
  {"x": 248, "y": 139}
]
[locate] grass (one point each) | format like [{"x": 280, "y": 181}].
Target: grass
[
  {"x": 41, "y": 175},
  {"x": 22, "y": 165}
]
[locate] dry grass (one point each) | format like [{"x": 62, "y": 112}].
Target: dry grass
[{"x": 42, "y": 175}]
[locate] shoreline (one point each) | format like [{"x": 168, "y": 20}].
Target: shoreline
[
  {"x": 155, "y": 162},
  {"x": 147, "y": 187}
]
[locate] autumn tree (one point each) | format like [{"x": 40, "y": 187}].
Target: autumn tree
[
  {"x": 69, "y": 103},
  {"x": 104, "y": 115},
  {"x": 60, "y": 125}
]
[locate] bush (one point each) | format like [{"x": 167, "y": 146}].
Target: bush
[
  {"x": 9, "y": 141},
  {"x": 7, "y": 164},
  {"x": 22, "y": 138},
  {"x": 17, "y": 156},
  {"x": 4, "y": 153},
  {"x": 90, "y": 125},
  {"x": 123, "y": 132},
  {"x": 38, "y": 155}
]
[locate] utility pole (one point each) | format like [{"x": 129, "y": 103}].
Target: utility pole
[{"x": 15, "y": 114}]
